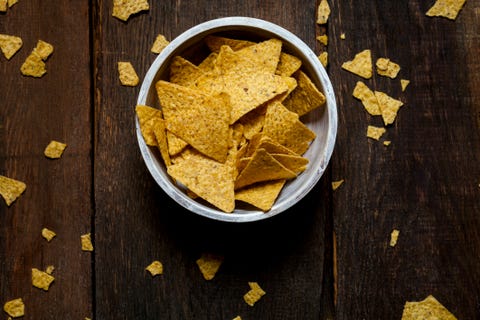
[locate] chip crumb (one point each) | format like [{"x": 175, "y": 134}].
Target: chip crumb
[
  {"x": 48, "y": 234},
  {"x": 14, "y": 308},
  {"x": 388, "y": 106},
  {"x": 41, "y": 280},
  {"x": 386, "y": 143},
  {"x": 50, "y": 269},
  {"x": 428, "y": 309},
  {"x": 404, "y": 83},
  {"x": 255, "y": 293},
  {"x": 127, "y": 75},
  {"x": 237, "y": 318},
  {"x": 375, "y": 132},
  {"x": 54, "y": 149},
  {"x": 361, "y": 64},
  {"x": 155, "y": 268},
  {"x": 10, "y": 45},
  {"x": 342, "y": 36},
  {"x": 86, "y": 242},
  {"x": 123, "y": 9},
  {"x": 387, "y": 68},
  {"x": 394, "y": 237},
  {"x": 323, "y": 12},
  {"x": 323, "y": 57},
  {"x": 159, "y": 44},
  {"x": 446, "y": 8},
  {"x": 209, "y": 264},
  {"x": 323, "y": 39},
  {"x": 11, "y": 189},
  {"x": 337, "y": 184}
]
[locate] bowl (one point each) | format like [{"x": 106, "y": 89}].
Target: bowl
[{"x": 323, "y": 121}]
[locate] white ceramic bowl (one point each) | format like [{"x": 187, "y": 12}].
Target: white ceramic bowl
[{"x": 323, "y": 121}]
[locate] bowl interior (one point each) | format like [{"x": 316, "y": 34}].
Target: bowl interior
[{"x": 323, "y": 121}]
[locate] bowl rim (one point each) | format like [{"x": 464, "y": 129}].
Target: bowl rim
[{"x": 225, "y": 24}]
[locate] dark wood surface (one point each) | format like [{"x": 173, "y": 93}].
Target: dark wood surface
[{"x": 326, "y": 258}]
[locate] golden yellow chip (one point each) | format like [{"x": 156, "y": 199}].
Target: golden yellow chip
[
  {"x": 209, "y": 264},
  {"x": 50, "y": 269},
  {"x": 10, "y": 45},
  {"x": 14, "y": 308},
  {"x": 260, "y": 141},
  {"x": 287, "y": 65},
  {"x": 183, "y": 72},
  {"x": 214, "y": 43},
  {"x": 337, "y": 184},
  {"x": 148, "y": 118},
  {"x": 127, "y": 75},
  {"x": 41, "y": 280},
  {"x": 33, "y": 66},
  {"x": 428, "y": 309},
  {"x": 3, "y": 5},
  {"x": 375, "y": 132},
  {"x": 253, "y": 122},
  {"x": 209, "y": 179},
  {"x": 208, "y": 63},
  {"x": 361, "y": 64},
  {"x": 11, "y": 189},
  {"x": 388, "y": 106},
  {"x": 155, "y": 268},
  {"x": 323, "y": 39},
  {"x": 175, "y": 144},
  {"x": 48, "y": 234},
  {"x": 54, "y": 149},
  {"x": 446, "y": 8},
  {"x": 342, "y": 36},
  {"x": 86, "y": 242},
  {"x": 394, "y": 237},
  {"x": 161, "y": 138},
  {"x": 404, "y": 83},
  {"x": 387, "y": 68},
  {"x": 306, "y": 97},
  {"x": 261, "y": 195},
  {"x": 368, "y": 98},
  {"x": 11, "y": 3},
  {"x": 43, "y": 49},
  {"x": 323, "y": 57},
  {"x": 237, "y": 318},
  {"x": 293, "y": 163},
  {"x": 323, "y": 12},
  {"x": 123, "y": 9},
  {"x": 159, "y": 44},
  {"x": 255, "y": 293},
  {"x": 386, "y": 143}
]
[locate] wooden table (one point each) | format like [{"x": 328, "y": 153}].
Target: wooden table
[{"x": 326, "y": 258}]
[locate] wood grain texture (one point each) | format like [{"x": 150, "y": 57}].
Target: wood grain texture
[
  {"x": 426, "y": 182},
  {"x": 58, "y": 194}
]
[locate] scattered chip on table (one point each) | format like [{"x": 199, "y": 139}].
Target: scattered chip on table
[
  {"x": 127, "y": 74},
  {"x": 394, "y": 237},
  {"x": 209, "y": 264},
  {"x": 11, "y": 189},
  {"x": 386, "y": 143},
  {"x": 428, "y": 309},
  {"x": 54, "y": 149},
  {"x": 446, "y": 8},
  {"x": 86, "y": 242},
  {"x": 123, "y": 9},
  {"x": 237, "y": 318},
  {"x": 342, "y": 36},
  {"x": 367, "y": 97},
  {"x": 10, "y": 45},
  {"x": 323, "y": 57},
  {"x": 43, "y": 49},
  {"x": 375, "y": 132},
  {"x": 337, "y": 184},
  {"x": 388, "y": 106},
  {"x": 361, "y": 64},
  {"x": 159, "y": 44},
  {"x": 155, "y": 268},
  {"x": 387, "y": 68},
  {"x": 48, "y": 234},
  {"x": 33, "y": 66},
  {"x": 255, "y": 294},
  {"x": 14, "y": 308},
  {"x": 49, "y": 269},
  {"x": 323, "y": 12},
  {"x": 404, "y": 83},
  {"x": 261, "y": 195},
  {"x": 41, "y": 280},
  {"x": 323, "y": 39}
]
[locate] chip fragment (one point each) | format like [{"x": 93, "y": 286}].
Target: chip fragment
[
  {"x": 287, "y": 65},
  {"x": 323, "y": 12},
  {"x": 43, "y": 49},
  {"x": 11, "y": 3},
  {"x": 11, "y": 189},
  {"x": 50, "y": 269},
  {"x": 148, "y": 118},
  {"x": 159, "y": 44},
  {"x": 10, "y": 45},
  {"x": 428, "y": 309},
  {"x": 34, "y": 65},
  {"x": 387, "y": 68},
  {"x": 446, "y": 8},
  {"x": 54, "y": 149},
  {"x": 361, "y": 64},
  {"x": 388, "y": 106},
  {"x": 342, "y": 36},
  {"x": 323, "y": 39},
  {"x": 404, "y": 83},
  {"x": 123, "y": 9},
  {"x": 255, "y": 294},
  {"x": 127, "y": 74},
  {"x": 394, "y": 237},
  {"x": 209, "y": 264},
  {"x": 375, "y": 132},
  {"x": 48, "y": 234},
  {"x": 323, "y": 57},
  {"x": 155, "y": 268},
  {"x": 367, "y": 97},
  {"x": 237, "y": 318},
  {"x": 337, "y": 184},
  {"x": 14, "y": 308},
  {"x": 86, "y": 242},
  {"x": 41, "y": 280},
  {"x": 386, "y": 143}
]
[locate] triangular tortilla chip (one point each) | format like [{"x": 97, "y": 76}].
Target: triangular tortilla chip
[
  {"x": 261, "y": 195},
  {"x": 361, "y": 64},
  {"x": 11, "y": 189},
  {"x": 147, "y": 117},
  {"x": 294, "y": 163},
  {"x": 214, "y": 43},
  {"x": 264, "y": 142},
  {"x": 10, "y": 45},
  {"x": 306, "y": 97},
  {"x": 446, "y": 8},
  {"x": 183, "y": 72},
  {"x": 388, "y": 106},
  {"x": 175, "y": 144},
  {"x": 288, "y": 65},
  {"x": 161, "y": 137},
  {"x": 368, "y": 98}
]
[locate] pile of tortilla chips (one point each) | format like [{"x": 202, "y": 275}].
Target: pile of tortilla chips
[{"x": 229, "y": 127}]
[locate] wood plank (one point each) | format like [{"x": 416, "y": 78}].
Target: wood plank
[
  {"x": 58, "y": 194},
  {"x": 137, "y": 223},
  {"x": 426, "y": 182}
]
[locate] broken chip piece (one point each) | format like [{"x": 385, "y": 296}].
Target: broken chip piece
[
  {"x": 11, "y": 3},
  {"x": 388, "y": 106},
  {"x": 337, "y": 184},
  {"x": 429, "y": 308},
  {"x": 361, "y": 64},
  {"x": 41, "y": 280},
  {"x": 375, "y": 132},
  {"x": 368, "y": 98},
  {"x": 255, "y": 293},
  {"x": 3, "y": 6},
  {"x": 446, "y": 8},
  {"x": 86, "y": 241},
  {"x": 386, "y": 143},
  {"x": 394, "y": 237},
  {"x": 34, "y": 65},
  {"x": 48, "y": 234},
  {"x": 43, "y": 49},
  {"x": 237, "y": 318},
  {"x": 54, "y": 149},
  {"x": 323, "y": 39},
  {"x": 323, "y": 12},
  {"x": 127, "y": 74},
  {"x": 323, "y": 57},
  {"x": 387, "y": 68},
  {"x": 159, "y": 44},
  {"x": 155, "y": 268},
  {"x": 11, "y": 189},
  {"x": 50, "y": 269},
  {"x": 14, "y": 308},
  {"x": 10, "y": 45},
  {"x": 209, "y": 264},
  {"x": 404, "y": 83},
  {"x": 123, "y": 9}
]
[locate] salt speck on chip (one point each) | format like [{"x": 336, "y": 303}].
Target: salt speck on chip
[
  {"x": 255, "y": 293},
  {"x": 41, "y": 280},
  {"x": 54, "y": 149},
  {"x": 323, "y": 12},
  {"x": 11, "y": 189},
  {"x": 48, "y": 234},
  {"x": 209, "y": 264},
  {"x": 159, "y": 44},
  {"x": 127, "y": 74},
  {"x": 428, "y": 309},
  {"x": 123, "y": 9},
  {"x": 14, "y": 308},
  {"x": 361, "y": 64},
  {"x": 155, "y": 268},
  {"x": 446, "y": 8},
  {"x": 375, "y": 132},
  {"x": 86, "y": 242},
  {"x": 10, "y": 45}
]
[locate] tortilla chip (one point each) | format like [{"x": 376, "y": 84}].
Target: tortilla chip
[
  {"x": 255, "y": 293},
  {"x": 43, "y": 49},
  {"x": 368, "y": 98},
  {"x": 264, "y": 142},
  {"x": 54, "y": 149},
  {"x": 50, "y": 269},
  {"x": 404, "y": 83},
  {"x": 41, "y": 280},
  {"x": 161, "y": 138},
  {"x": 11, "y": 3},
  {"x": 208, "y": 63},
  {"x": 14, "y": 308},
  {"x": 337, "y": 184},
  {"x": 33, "y": 66},
  {"x": 446, "y": 8},
  {"x": 287, "y": 65},
  {"x": 428, "y": 309},
  {"x": 237, "y": 318},
  {"x": 214, "y": 43},
  {"x": 388, "y": 106},
  {"x": 361, "y": 64},
  {"x": 209, "y": 264},
  {"x": 261, "y": 195},
  {"x": 323, "y": 39},
  {"x": 293, "y": 163},
  {"x": 155, "y": 268},
  {"x": 86, "y": 242},
  {"x": 323, "y": 57},
  {"x": 183, "y": 72},
  {"x": 159, "y": 44},
  {"x": 394, "y": 237},
  {"x": 306, "y": 97},
  {"x": 10, "y": 45},
  {"x": 386, "y": 143},
  {"x": 375, "y": 132},
  {"x": 175, "y": 144},
  {"x": 3, "y": 6},
  {"x": 127, "y": 75},
  {"x": 123, "y": 9},
  {"x": 48, "y": 234},
  {"x": 342, "y": 36},
  {"x": 11, "y": 189},
  {"x": 387, "y": 68},
  {"x": 323, "y": 12},
  {"x": 253, "y": 122},
  {"x": 148, "y": 119}
]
